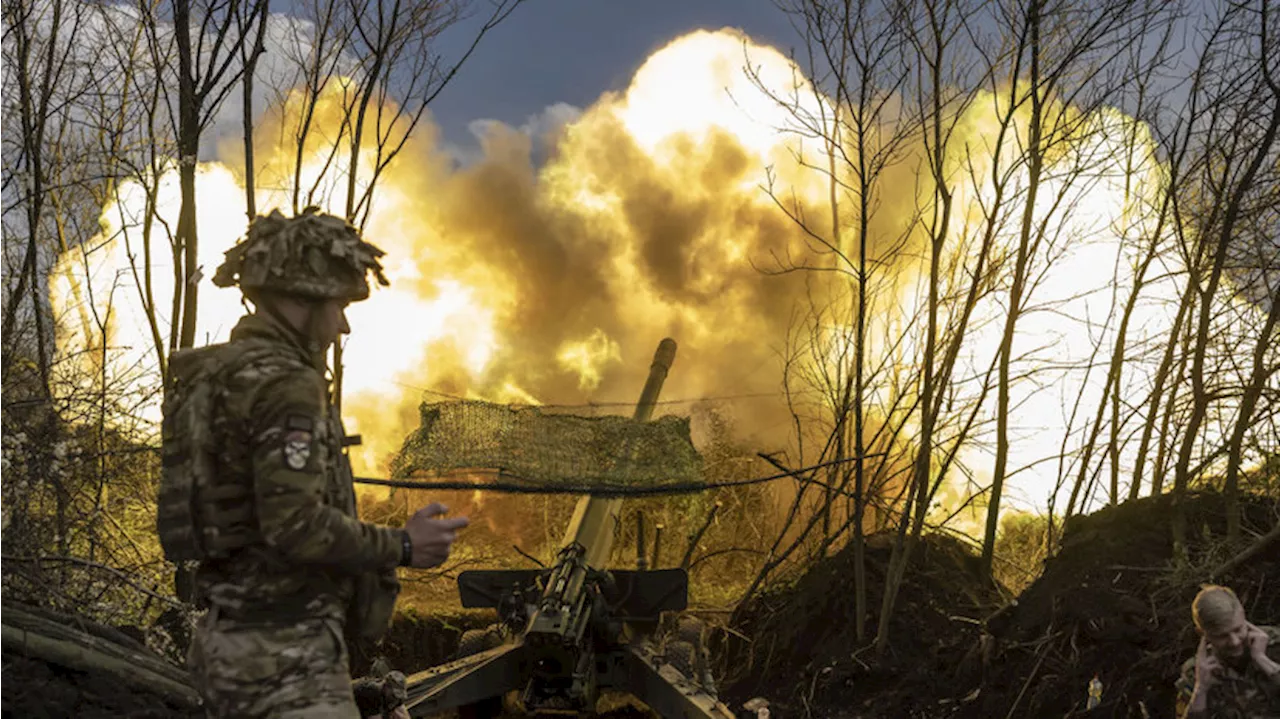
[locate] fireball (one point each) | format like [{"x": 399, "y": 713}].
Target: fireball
[{"x": 652, "y": 217}]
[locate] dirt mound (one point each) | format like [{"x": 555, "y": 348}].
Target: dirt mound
[
  {"x": 806, "y": 659},
  {"x": 1112, "y": 603},
  {"x": 34, "y": 689}
]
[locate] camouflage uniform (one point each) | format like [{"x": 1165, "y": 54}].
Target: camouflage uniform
[
  {"x": 1242, "y": 692},
  {"x": 273, "y": 641},
  {"x": 382, "y": 697}
]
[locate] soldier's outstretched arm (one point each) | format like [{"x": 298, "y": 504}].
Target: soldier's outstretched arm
[{"x": 289, "y": 484}]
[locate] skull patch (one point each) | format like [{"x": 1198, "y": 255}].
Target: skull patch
[{"x": 297, "y": 449}]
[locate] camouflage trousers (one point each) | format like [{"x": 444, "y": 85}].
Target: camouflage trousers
[{"x": 278, "y": 671}]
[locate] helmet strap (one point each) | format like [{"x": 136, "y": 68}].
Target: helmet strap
[{"x": 309, "y": 333}]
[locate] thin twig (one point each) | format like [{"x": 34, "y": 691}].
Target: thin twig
[
  {"x": 96, "y": 565},
  {"x": 697, "y": 536},
  {"x": 1040, "y": 660},
  {"x": 528, "y": 556}
]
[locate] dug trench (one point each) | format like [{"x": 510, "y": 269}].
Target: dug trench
[{"x": 1112, "y": 603}]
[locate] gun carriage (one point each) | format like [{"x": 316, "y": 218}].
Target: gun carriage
[{"x": 570, "y": 630}]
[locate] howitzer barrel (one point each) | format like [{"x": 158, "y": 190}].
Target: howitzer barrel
[
  {"x": 594, "y": 517},
  {"x": 662, "y": 360}
]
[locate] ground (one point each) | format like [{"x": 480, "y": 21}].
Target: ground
[
  {"x": 805, "y": 656},
  {"x": 37, "y": 690},
  {"x": 34, "y": 689},
  {"x": 1112, "y": 603},
  {"x": 1115, "y": 604}
]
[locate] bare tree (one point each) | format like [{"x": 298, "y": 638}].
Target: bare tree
[
  {"x": 380, "y": 60},
  {"x": 1241, "y": 122},
  {"x": 40, "y": 52},
  {"x": 1258, "y": 230},
  {"x": 249, "y": 56},
  {"x": 209, "y": 37},
  {"x": 1149, "y": 244},
  {"x": 1144, "y": 242},
  {"x": 50, "y": 172},
  {"x": 854, "y": 52},
  {"x": 80, "y": 479},
  {"x": 1068, "y": 51}
]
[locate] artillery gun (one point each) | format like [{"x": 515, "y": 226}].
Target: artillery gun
[{"x": 572, "y": 629}]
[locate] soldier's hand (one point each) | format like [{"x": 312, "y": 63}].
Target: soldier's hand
[
  {"x": 1207, "y": 666},
  {"x": 431, "y": 535}
]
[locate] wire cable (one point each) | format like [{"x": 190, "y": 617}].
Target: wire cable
[{"x": 600, "y": 490}]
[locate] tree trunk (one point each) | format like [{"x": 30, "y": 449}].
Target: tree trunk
[
  {"x": 1257, "y": 378},
  {"x": 250, "y": 66},
  {"x": 188, "y": 149},
  {"x": 1034, "y": 169}
]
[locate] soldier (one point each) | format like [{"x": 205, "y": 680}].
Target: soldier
[
  {"x": 1234, "y": 674},
  {"x": 306, "y": 572}
]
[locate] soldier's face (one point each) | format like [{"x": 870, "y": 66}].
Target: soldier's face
[
  {"x": 1231, "y": 639},
  {"x": 330, "y": 322}
]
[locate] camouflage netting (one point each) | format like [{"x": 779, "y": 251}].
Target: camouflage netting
[
  {"x": 536, "y": 446},
  {"x": 313, "y": 255}
]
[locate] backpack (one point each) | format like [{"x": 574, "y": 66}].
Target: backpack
[{"x": 202, "y": 510}]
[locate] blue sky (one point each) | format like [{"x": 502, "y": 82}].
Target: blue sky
[{"x": 572, "y": 51}]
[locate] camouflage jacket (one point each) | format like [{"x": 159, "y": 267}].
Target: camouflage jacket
[
  {"x": 280, "y": 432},
  {"x": 1242, "y": 692}
]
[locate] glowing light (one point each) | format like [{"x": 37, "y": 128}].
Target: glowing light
[
  {"x": 588, "y": 357},
  {"x": 647, "y": 220}
]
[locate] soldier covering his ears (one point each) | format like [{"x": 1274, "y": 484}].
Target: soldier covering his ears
[
  {"x": 284, "y": 565},
  {"x": 1235, "y": 673}
]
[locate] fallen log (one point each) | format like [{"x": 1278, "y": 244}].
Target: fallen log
[
  {"x": 1249, "y": 552},
  {"x": 26, "y": 633}
]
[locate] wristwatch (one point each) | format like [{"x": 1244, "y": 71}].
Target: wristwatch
[{"x": 406, "y": 549}]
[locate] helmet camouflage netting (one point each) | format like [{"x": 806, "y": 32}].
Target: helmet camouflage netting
[{"x": 313, "y": 255}]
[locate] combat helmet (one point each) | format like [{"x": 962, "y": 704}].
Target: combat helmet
[{"x": 314, "y": 256}]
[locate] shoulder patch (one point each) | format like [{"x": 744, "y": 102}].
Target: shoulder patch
[{"x": 297, "y": 448}]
